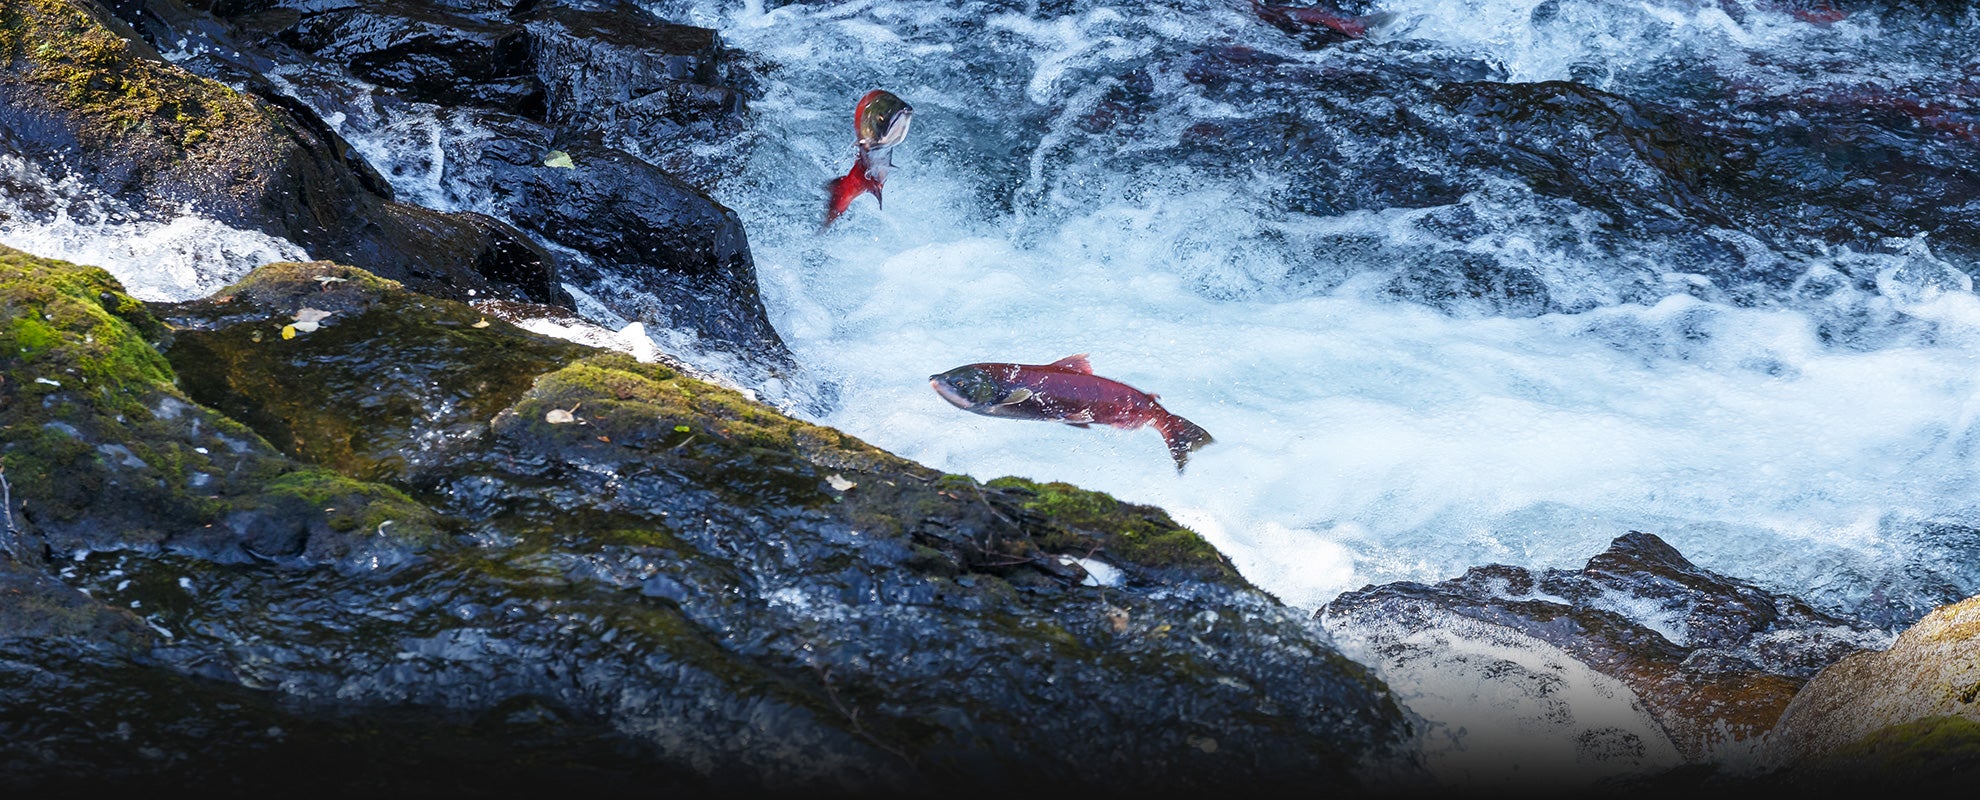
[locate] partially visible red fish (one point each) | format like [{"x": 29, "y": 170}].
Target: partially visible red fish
[
  {"x": 1065, "y": 391},
  {"x": 1318, "y": 26},
  {"x": 880, "y": 122}
]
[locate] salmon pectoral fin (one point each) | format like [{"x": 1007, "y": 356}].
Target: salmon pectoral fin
[{"x": 1182, "y": 436}]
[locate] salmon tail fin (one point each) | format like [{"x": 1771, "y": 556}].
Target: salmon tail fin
[
  {"x": 842, "y": 191},
  {"x": 1183, "y": 437}
]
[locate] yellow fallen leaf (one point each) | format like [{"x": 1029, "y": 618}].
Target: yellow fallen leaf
[
  {"x": 558, "y": 416},
  {"x": 558, "y": 158},
  {"x": 288, "y": 331},
  {"x": 482, "y": 324}
]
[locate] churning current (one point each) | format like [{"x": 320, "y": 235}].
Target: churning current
[{"x": 1420, "y": 347}]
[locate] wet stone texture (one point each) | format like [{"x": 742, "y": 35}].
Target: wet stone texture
[
  {"x": 1713, "y": 659},
  {"x": 81, "y": 93},
  {"x": 592, "y": 134},
  {"x": 581, "y": 570}
]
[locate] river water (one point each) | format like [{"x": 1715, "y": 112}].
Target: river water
[
  {"x": 1360, "y": 439},
  {"x": 1197, "y": 202}
]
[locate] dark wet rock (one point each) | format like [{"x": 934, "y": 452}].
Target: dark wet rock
[
  {"x": 651, "y": 88},
  {"x": 1467, "y": 284},
  {"x": 648, "y": 244},
  {"x": 427, "y": 54},
  {"x": 1695, "y": 175},
  {"x": 103, "y": 451},
  {"x": 1857, "y": 166},
  {"x": 659, "y": 249},
  {"x": 629, "y": 571},
  {"x": 1599, "y": 149},
  {"x": 1713, "y": 659},
  {"x": 86, "y": 724},
  {"x": 80, "y": 92},
  {"x": 36, "y": 606},
  {"x": 604, "y": 68}
]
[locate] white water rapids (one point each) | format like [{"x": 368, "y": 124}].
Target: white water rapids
[{"x": 1359, "y": 439}]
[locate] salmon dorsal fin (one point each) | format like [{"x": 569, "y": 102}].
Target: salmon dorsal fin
[{"x": 1076, "y": 363}]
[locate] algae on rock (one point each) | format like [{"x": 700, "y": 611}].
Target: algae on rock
[{"x": 103, "y": 451}]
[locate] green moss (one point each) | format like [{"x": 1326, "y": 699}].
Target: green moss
[
  {"x": 632, "y": 400},
  {"x": 56, "y": 332},
  {"x": 282, "y": 283},
  {"x": 350, "y": 505},
  {"x": 98, "y": 438},
  {"x": 114, "y": 85},
  {"x": 1914, "y": 750},
  {"x": 404, "y": 370},
  {"x": 1081, "y": 519}
]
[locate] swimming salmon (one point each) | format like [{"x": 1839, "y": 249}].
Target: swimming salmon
[{"x": 1065, "y": 391}]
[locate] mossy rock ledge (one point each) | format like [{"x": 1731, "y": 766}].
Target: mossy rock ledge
[{"x": 375, "y": 539}]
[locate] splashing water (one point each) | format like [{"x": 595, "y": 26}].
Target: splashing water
[
  {"x": 180, "y": 258},
  {"x": 1818, "y": 447},
  {"x": 1359, "y": 440}
]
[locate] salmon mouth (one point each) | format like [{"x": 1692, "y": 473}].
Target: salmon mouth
[{"x": 948, "y": 392}]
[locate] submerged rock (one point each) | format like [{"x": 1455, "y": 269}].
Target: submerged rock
[{"x": 637, "y": 574}]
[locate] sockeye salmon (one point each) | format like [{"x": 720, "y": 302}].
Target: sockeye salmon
[
  {"x": 1066, "y": 391},
  {"x": 880, "y": 122}
]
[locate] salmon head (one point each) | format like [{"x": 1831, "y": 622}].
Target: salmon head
[
  {"x": 968, "y": 388},
  {"x": 881, "y": 120}
]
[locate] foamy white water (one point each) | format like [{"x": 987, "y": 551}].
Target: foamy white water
[
  {"x": 1359, "y": 440},
  {"x": 180, "y": 258}
]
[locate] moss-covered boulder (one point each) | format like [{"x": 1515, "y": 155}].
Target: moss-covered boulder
[
  {"x": 101, "y": 449},
  {"x": 636, "y": 573},
  {"x": 81, "y": 93},
  {"x": 1904, "y": 716}
]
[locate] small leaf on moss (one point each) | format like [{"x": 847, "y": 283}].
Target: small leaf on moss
[
  {"x": 558, "y": 416},
  {"x": 482, "y": 324},
  {"x": 839, "y": 483}
]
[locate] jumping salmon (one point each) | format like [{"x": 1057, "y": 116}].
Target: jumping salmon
[
  {"x": 1065, "y": 391},
  {"x": 880, "y": 122}
]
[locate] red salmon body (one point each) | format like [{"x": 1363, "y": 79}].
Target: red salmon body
[
  {"x": 841, "y": 192},
  {"x": 1065, "y": 391}
]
